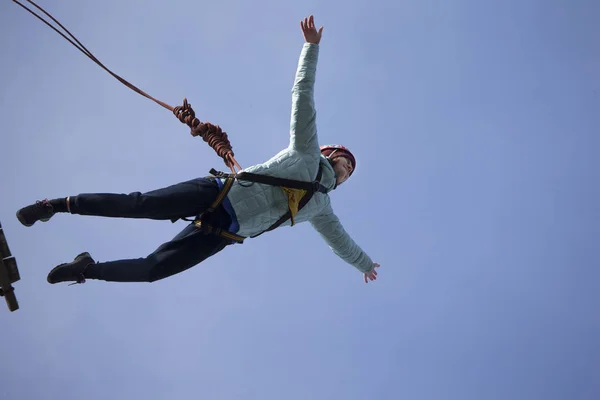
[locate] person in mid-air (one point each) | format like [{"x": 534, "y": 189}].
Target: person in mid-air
[{"x": 227, "y": 210}]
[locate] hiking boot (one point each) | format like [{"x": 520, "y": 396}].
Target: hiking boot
[
  {"x": 41, "y": 210},
  {"x": 71, "y": 272}
]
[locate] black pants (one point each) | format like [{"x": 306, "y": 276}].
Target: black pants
[{"x": 190, "y": 247}]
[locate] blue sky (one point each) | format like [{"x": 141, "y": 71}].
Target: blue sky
[{"x": 476, "y": 190}]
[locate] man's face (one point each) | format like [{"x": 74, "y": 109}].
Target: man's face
[{"x": 343, "y": 168}]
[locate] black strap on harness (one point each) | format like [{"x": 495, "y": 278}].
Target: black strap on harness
[{"x": 310, "y": 187}]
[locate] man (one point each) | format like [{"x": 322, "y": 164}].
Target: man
[{"x": 228, "y": 209}]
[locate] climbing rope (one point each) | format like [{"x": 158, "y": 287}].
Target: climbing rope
[{"x": 211, "y": 134}]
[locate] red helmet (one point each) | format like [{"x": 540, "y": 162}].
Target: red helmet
[{"x": 332, "y": 151}]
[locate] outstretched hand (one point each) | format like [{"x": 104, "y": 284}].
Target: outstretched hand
[
  {"x": 311, "y": 35},
  {"x": 373, "y": 274}
]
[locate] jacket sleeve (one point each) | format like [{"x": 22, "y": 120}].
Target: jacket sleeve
[
  {"x": 303, "y": 127},
  {"x": 330, "y": 228}
]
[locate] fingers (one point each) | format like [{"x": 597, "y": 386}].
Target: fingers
[
  {"x": 373, "y": 274},
  {"x": 309, "y": 24},
  {"x": 370, "y": 276},
  {"x": 305, "y": 24}
]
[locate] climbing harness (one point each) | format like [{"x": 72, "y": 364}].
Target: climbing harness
[
  {"x": 298, "y": 193},
  {"x": 212, "y": 134}
]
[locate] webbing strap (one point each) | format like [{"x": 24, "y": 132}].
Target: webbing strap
[
  {"x": 275, "y": 180},
  {"x": 222, "y": 194},
  {"x": 207, "y": 228}
]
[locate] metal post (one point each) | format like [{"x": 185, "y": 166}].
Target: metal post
[{"x": 9, "y": 273}]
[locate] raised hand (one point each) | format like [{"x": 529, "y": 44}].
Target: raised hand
[{"x": 311, "y": 35}]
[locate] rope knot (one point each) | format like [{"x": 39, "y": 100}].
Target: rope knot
[{"x": 211, "y": 134}]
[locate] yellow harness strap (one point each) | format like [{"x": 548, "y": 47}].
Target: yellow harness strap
[
  {"x": 217, "y": 231},
  {"x": 294, "y": 196},
  {"x": 222, "y": 194}
]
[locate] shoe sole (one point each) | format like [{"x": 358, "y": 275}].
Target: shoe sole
[
  {"x": 22, "y": 221},
  {"x": 82, "y": 255}
]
